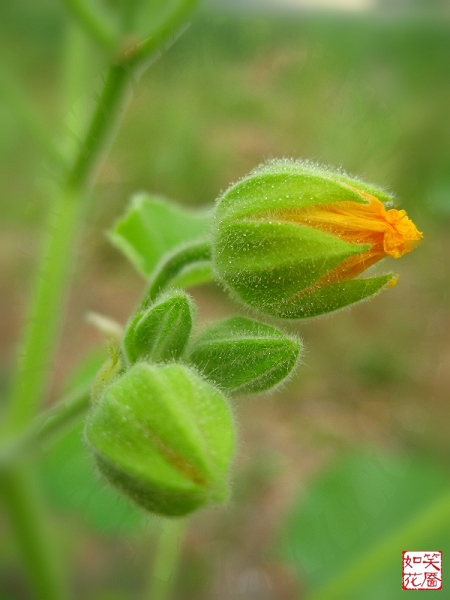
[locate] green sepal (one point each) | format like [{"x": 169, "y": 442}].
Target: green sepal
[
  {"x": 285, "y": 184},
  {"x": 165, "y": 437},
  {"x": 242, "y": 356},
  {"x": 330, "y": 298},
  {"x": 161, "y": 332},
  {"x": 265, "y": 262}
]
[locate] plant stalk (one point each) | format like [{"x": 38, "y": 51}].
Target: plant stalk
[
  {"x": 165, "y": 564},
  {"x": 172, "y": 266},
  {"x": 45, "y": 426},
  {"x": 53, "y": 277}
]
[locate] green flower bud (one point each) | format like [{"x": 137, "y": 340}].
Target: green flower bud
[
  {"x": 242, "y": 356},
  {"x": 290, "y": 239},
  {"x": 160, "y": 333},
  {"x": 163, "y": 436}
]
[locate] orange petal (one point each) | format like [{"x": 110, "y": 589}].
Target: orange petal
[{"x": 389, "y": 232}]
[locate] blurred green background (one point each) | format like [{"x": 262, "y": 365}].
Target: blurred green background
[{"x": 356, "y": 445}]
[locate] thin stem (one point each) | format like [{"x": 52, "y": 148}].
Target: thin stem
[
  {"x": 43, "y": 325},
  {"x": 72, "y": 406},
  {"x": 144, "y": 49},
  {"x": 435, "y": 518},
  {"x": 62, "y": 235},
  {"x": 29, "y": 120},
  {"x": 93, "y": 22},
  {"x": 102, "y": 124},
  {"x": 24, "y": 506},
  {"x": 173, "y": 265},
  {"x": 165, "y": 564}
]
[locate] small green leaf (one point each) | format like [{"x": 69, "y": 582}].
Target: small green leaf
[
  {"x": 153, "y": 226},
  {"x": 243, "y": 356},
  {"x": 160, "y": 334}
]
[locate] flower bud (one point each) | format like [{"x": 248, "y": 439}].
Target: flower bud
[
  {"x": 242, "y": 356},
  {"x": 291, "y": 239},
  {"x": 161, "y": 332},
  {"x": 163, "y": 436}
]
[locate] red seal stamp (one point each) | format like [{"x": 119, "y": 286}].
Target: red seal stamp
[{"x": 422, "y": 570}]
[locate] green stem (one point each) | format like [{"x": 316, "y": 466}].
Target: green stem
[
  {"x": 165, "y": 564},
  {"x": 101, "y": 126},
  {"x": 173, "y": 265},
  {"x": 24, "y": 507},
  {"x": 144, "y": 49},
  {"x": 44, "y": 320},
  {"x": 45, "y": 426},
  {"x": 435, "y": 518},
  {"x": 93, "y": 22},
  {"x": 65, "y": 224}
]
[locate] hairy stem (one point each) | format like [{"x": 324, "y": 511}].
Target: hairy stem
[
  {"x": 44, "y": 318},
  {"x": 53, "y": 276},
  {"x": 144, "y": 49},
  {"x": 102, "y": 125},
  {"x": 44, "y": 427},
  {"x": 173, "y": 265}
]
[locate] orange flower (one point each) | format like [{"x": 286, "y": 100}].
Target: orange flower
[{"x": 389, "y": 232}]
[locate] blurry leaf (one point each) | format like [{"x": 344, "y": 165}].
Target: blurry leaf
[
  {"x": 86, "y": 370},
  {"x": 69, "y": 478},
  {"x": 152, "y": 227},
  {"x": 72, "y": 486},
  {"x": 358, "y": 510},
  {"x": 243, "y": 356}
]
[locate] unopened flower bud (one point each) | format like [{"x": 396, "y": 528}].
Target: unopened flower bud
[
  {"x": 160, "y": 332},
  {"x": 243, "y": 356},
  {"x": 163, "y": 436},
  {"x": 292, "y": 239}
]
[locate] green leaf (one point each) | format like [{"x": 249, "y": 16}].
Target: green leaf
[
  {"x": 242, "y": 356},
  {"x": 346, "y": 533},
  {"x": 152, "y": 227},
  {"x": 160, "y": 334},
  {"x": 72, "y": 486}
]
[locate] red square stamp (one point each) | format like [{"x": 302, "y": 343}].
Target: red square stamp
[{"x": 422, "y": 570}]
